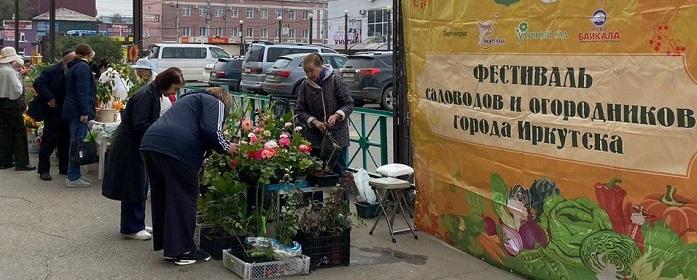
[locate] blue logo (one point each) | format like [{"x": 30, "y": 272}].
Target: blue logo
[{"x": 599, "y": 18}]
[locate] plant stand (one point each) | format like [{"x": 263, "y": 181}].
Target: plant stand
[
  {"x": 328, "y": 250},
  {"x": 248, "y": 271}
]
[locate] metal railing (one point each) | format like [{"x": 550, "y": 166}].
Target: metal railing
[{"x": 368, "y": 130}]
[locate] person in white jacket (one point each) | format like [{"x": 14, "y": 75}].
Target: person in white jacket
[{"x": 13, "y": 134}]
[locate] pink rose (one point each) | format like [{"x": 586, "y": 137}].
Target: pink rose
[
  {"x": 268, "y": 153},
  {"x": 246, "y": 124},
  {"x": 284, "y": 142},
  {"x": 253, "y": 139},
  {"x": 305, "y": 149},
  {"x": 285, "y": 135},
  {"x": 258, "y": 130}
]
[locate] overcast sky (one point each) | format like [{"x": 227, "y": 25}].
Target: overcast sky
[{"x": 110, "y": 7}]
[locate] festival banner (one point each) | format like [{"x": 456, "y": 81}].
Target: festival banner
[{"x": 557, "y": 139}]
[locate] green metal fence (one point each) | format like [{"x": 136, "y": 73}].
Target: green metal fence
[{"x": 368, "y": 129}]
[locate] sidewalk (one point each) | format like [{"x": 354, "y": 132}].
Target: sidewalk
[{"x": 50, "y": 232}]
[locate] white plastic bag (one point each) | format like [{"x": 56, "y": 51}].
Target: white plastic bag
[{"x": 365, "y": 192}]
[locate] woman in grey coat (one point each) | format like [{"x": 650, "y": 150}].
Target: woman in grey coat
[{"x": 324, "y": 104}]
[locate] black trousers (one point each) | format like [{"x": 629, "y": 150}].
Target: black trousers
[
  {"x": 13, "y": 135},
  {"x": 56, "y": 136},
  {"x": 173, "y": 194}
]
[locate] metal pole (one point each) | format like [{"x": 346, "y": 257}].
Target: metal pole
[
  {"x": 311, "y": 16},
  {"x": 138, "y": 23},
  {"x": 401, "y": 121},
  {"x": 280, "y": 29},
  {"x": 346, "y": 31},
  {"x": 17, "y": 25},
  {"x": 209, "y": 18},
  {"x": 52, "y": 31},
  {"x": 389, "y": 27},
  {"x": 241, "y": 37}
]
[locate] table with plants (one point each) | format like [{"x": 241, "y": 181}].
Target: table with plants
[{"x": 257, "y": 210}]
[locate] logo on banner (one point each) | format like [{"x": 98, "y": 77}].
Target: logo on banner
[
  {"x": 487, "y": 35},
  {"x": 600, "y": 33},
  {"x": 523, "y": 33}
]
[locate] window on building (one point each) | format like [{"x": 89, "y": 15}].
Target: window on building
[
  {"x": 186, "y": 31},
  {"x": 250, "y": 32},
  {"x": 236, "y": 32},
  {"x": 291, "y": 14},
  {"x": 291, "y": 33},
  {"x": 202, "y": 31},
  {"x": 186, "y": 11},
  {"x": 377, "y": 22},
  {"x": 22, "y": 37},
  {"x": 264, "y": 33},
  {"x": 219, "y": 32},
  {"x": 250, "y": 13},
  {"x": 219, "y": 12},
  {"x": 235, "y": 12},
  {"x": 279, "y": 13},
  {"x": 202, "y": 11},
  {"x": 264, "y": 14},
  {"x": 306, "y": 34},
  {"x": 306, "y": 15}
]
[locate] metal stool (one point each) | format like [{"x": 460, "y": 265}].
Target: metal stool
[
  {"x": 399, "y": 171},
  {"x": 392, "y": 187}
]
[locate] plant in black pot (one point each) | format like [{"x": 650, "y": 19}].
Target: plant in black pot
[
  {"x": 224, "y": 207},
  {"x": 325, "y": 231}
]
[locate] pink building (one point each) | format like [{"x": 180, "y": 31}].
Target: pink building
[
  {"x": 152, "y": 21},
  {"x": 87, "y": 7}
]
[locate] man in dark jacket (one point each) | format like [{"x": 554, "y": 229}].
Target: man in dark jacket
[
  {"x": 173, "y": 149},
  {"x": 79, "y": 106},
  {"x": 50, "y": 86}
]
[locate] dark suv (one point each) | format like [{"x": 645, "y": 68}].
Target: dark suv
[
  {"x": 227, "y": 71},
  {"x": 370, "y": 78}
]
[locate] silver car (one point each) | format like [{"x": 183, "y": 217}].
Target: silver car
[{"x": 286, "y": 74}]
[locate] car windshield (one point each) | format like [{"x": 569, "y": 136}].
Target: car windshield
[
  {"x": 282, "y": 62},
  {"x": 357, "y": 62},
  {"x": 255, "y": 54}
]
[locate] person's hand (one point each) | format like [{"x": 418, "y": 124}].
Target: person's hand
[
  {"x": 234, "y": 148},
  {"x": 320, "y": 125},
  {"x": 52, "y": 103},
  {"x": 333, "y": 120},
  {"x": 84, "y": 119}
]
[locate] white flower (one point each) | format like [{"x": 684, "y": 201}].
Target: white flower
[
  {"x": 288, "y": 124},
  {"x": 298, "y": 128},
  {"x": 271, "y": 144}
]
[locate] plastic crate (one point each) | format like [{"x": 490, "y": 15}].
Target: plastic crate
[
  {"x": 366, "y": 210},
  {"x": 265, "y": 270},
  {"x": 286, "y": 186},
  {"x": 326, "y": 251},
  {"x": 199, "y": 231}
]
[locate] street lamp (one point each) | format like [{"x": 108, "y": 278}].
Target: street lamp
[
  {"x": 389, "y": 27},
  {"x": 311, "y": 17},
  {"x": 280, "y": 24},
  {"x": 241, "y": 33},
  {"x": 346, "y": 31}
]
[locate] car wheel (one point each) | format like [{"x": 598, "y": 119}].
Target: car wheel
[{"x": 387, "y": 101}]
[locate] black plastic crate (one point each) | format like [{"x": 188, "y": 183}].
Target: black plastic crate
[
  {"x": 328, "y": 250},
  {"x": 215, "y": 244}
]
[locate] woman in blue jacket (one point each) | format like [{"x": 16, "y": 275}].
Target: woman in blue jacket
[{"x": 173, "y": 150}]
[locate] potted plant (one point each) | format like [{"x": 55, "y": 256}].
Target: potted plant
[{"x": 325, "y": 231}]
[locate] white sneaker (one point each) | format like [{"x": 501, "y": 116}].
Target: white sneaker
[
  {"x": 148, "y": 229},
  {"x": 79, "y": 183},
  {"x": 141, "y": 235}
]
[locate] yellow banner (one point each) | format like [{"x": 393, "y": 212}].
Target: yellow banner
[{"x": 558, "y": 138}]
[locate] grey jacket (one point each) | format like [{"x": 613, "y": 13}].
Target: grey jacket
[
  {"x": 11, "y": 86},
  {"x": 330, "y": 96}
]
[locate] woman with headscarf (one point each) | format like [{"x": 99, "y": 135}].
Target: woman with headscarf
[
  {"x": 125, "y": 179},
  {"x": 173, "y": 151}
]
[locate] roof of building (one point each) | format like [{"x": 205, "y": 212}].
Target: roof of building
[{"x": 63, "y": 14}]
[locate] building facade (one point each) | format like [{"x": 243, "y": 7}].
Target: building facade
[
  {"x": 369, "y": 21},
  {"x": 87, "y": 7},
  {"x": 219, "y": 21}
]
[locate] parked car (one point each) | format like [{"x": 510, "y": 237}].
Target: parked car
[
  {"x": 370, "y": 78},
  {"x": 261, "y": 56},
  {"x": 191, "y": 59},
  {"x": 286, "y": 74},
  {"x": 227, "y": 72}
]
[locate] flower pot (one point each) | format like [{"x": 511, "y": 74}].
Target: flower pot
[
  {"x": 366, "y": 210},
  {"x": 326, "y": 250},
  {"x": 323, "y": 179},
  {"x": 214, "y": 244},
  {"x": 106, "y": 115}
]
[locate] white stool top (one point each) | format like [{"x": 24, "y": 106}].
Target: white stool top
[
  {"x": 395, "y": 170},
  {"x": 389, "y": 183}
]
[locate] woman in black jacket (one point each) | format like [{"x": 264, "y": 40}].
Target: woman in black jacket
[{"x": 125, "y": 178}]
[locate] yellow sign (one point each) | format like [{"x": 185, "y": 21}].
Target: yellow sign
[{"x": 524, "y": 112}]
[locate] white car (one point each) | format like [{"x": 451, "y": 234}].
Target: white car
[{"x": 192, "y": 59}]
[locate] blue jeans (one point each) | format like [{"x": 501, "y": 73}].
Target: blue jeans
[{"x": 78, "y": 131}]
